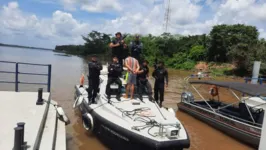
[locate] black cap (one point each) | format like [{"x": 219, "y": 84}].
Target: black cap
[
  {"x": 118, "y": 33},
  {"x": 93, "y": 55},
  {"x": 115, "y": 57}
]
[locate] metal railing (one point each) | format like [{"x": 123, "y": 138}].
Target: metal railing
[
  {"x": 17, "y": 72},
  {"x": 260, "y": 80}
]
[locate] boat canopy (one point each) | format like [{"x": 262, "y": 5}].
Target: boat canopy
[{"x": 250, "y": 89}]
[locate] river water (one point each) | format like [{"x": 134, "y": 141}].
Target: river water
[{"x": 66, "y": 72}]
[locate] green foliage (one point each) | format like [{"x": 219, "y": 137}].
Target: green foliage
[
  {"x": 236, "y": 44},
  {"x": 95, "y": 43},
  {"x": 197, "y": 53}
]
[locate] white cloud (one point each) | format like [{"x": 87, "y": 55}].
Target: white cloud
[
  {"x": 102, "y": 5},
  {"x": 184, "y": 11},
  {"x": 61, "y": 28},
  {"x": 241, "y": 11},
  {"x": 92, "y": 5}
]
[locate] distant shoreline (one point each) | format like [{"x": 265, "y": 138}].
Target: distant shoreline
[{"x": 20, "y": 46}]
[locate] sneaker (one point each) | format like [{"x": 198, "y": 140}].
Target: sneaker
[
  {"x": 160, "y": 105},
  {"x": 151, "y": 98},
  {"x": 141, "y": 98},
  {"x": 118, "y": 98}
]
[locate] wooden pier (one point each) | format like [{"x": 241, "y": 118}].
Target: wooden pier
[{"x": 43, "y": 130}]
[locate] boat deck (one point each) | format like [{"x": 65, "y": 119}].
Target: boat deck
[{"x": 21, "y": 107}]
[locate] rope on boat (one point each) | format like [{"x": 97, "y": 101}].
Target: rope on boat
[{"x": 148, "y": 124}]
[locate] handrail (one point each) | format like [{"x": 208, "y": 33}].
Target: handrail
[
  {"x": 259, "y": 79},
  {"x": 17, "y": 82}
]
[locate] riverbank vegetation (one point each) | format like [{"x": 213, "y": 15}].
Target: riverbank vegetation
[
  {"x": 237, "y": 45},
  {"x": 20, "y": 46}
]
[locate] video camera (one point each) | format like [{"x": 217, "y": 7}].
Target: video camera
[{"x": 122, "y": 38}]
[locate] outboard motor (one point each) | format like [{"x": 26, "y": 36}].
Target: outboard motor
[
  {"x": 187, "y": 97},
  {"x": 87, "y": 121}
]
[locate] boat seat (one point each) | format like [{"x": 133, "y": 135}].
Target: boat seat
[{"x": 231, "y": 113}]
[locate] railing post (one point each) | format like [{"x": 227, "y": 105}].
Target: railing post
[
  {"x": 49, "y": 78},
  {"x": 18, "y": 138},
  {"x": 260, "y": 79},
  {"x": 16, "y": 84}
]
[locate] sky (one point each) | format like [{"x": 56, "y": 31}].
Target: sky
[{"x": 47, "y": 23}]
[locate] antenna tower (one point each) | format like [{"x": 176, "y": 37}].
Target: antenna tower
[{"x": 167, "y": 17}]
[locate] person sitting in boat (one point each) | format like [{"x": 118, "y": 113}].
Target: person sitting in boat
[
  {"x": 114, "y": 72},
  {"x": 161, "y": 80},
  {"x": 94, "y": 78},
  {"x": 143, "y": 82},
  {"x": 132, "y": 66}
]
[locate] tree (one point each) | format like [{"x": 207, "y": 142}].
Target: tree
[
  {"x": 197, "y": 53},
  {"x": 96, "y": 42},
  {"x": 224, "y": 38}
]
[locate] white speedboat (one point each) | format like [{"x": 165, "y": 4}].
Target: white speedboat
[{"x": 130, "y": 124}]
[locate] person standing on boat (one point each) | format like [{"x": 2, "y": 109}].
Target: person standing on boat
[
  {"x": 161, "y": 81},
  {"x": 94, "y": 78},
  {"x": 117, "y": 46},
  {"x": 114, "y": 72},
  {"x": 132, "y": 66},
  {"x": 142, "y": 78},
  {"x": 136, "y": 47}
]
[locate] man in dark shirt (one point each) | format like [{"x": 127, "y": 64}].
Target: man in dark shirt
[
  {"x": 114, "y": 72},
  {"x": 161, "y": 80},
  {"x": 94, "y": 78},
  {"x": 136, "y": 48},
  {"x": 118, "y": 45},
  {"x": 143, "y": 82}
]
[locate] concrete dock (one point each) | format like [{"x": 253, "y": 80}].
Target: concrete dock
[{"x": 43, "y": 130}]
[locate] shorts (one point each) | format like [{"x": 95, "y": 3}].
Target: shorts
[{"x": 132, "y": 78}]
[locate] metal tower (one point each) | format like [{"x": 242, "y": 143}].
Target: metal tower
[{"x": 167, "y": 16}]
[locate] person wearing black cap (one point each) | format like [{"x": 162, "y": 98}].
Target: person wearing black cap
[
  {"x": 136, "y": 47},
  {"x": 161, "y": 80},
  {"x": 114, "y": 72},
  {"x": 94, "y": 78},
  {"x": 118, "y": 45}
]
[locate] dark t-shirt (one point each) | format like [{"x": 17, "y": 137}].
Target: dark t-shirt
[
  {"x": 145, "y": 72},
  {"x": 117, "y": 51},
  {"x": 114, "y": 70},
  {"x": 160, "y": 75},
  {"x": 94, "y": 69}
]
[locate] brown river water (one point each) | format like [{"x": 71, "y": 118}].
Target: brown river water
[{"x": 66, "y": 72}]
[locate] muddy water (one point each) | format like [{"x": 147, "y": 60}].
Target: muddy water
[{"x": 65, "y": 74}]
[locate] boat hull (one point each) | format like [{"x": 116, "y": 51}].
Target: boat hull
[
  {"x": 228, "y": 126},
  {"x": 117, "y": 138}
]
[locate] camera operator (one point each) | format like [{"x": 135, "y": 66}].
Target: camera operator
[
  {"x": 118, "y": 45},
  {"x": 94, "y": 78},
  {"x": 114, "y": 72}
]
